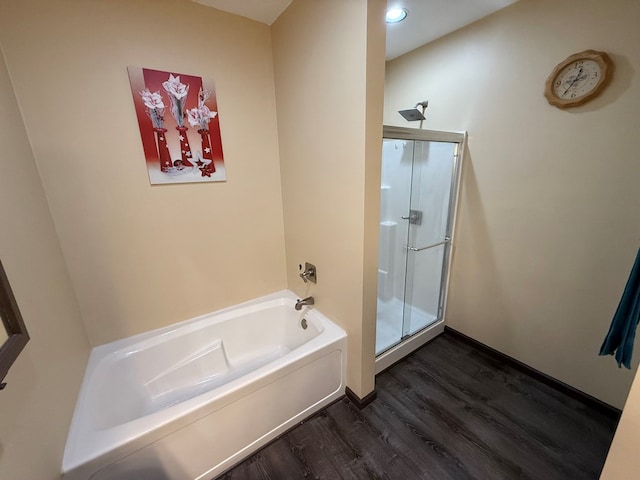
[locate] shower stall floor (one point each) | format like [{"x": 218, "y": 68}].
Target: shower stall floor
[{"x": 389, "y": 323}]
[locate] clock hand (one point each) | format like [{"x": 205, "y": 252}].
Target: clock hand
[{"x": 573, "y": 82}]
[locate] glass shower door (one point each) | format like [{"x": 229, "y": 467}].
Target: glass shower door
[
  {"x": 428, "y": 241},
  {"x": 395, "y": 202},
  {"x": 418, "y": 179}
]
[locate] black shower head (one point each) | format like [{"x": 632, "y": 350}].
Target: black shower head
[{"x": 413, "y": 114}]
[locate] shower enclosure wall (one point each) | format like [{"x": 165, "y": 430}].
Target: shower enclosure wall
[{"x": 419, "y": 190}]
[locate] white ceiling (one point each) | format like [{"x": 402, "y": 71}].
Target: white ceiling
[
  {"x": 431, "y": 19},
  {"x": 264, "y": 11},
  {"x": 427, "y": 19}
]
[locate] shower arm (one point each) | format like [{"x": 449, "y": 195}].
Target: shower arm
[{"x": 424, "y": 106}]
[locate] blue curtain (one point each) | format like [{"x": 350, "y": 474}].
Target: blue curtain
[{"x": 622, "y": 332}]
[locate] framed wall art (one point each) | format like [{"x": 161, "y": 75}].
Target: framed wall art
[{"x": 179, "y": 126}]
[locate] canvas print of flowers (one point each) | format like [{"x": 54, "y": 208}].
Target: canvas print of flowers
[{"x": 179, "y": 126}]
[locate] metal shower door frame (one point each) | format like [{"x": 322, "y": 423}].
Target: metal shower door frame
[{"x": 418, "y": 339}]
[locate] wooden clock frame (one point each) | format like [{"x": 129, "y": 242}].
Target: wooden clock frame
[{"x": 606, "y": 68}]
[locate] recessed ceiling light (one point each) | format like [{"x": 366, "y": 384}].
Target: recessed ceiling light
[{"x": 395, "y": 15}]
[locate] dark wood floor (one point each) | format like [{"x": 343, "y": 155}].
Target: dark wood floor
[{"x": 449, "y": 411}]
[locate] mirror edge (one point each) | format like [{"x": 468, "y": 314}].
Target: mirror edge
[{"x": 14, "y": 325}]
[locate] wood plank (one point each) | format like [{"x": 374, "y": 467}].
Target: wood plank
[
  {"x": 324, "y": 449},
  {"x": 380, "y": 452},
  {"x": 427, "y": 419},
  {"x": 491, "y": 405}
]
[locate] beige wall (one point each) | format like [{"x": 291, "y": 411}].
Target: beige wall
[
  {"x": 329, "y": 130},
  {"x": 68, "y": 66},
  {"x": 37, "y": 404},
  {"x": 549, "y": 220},
  {"x": 141, "y": 257},
  {"x": 374, "y": 107}
]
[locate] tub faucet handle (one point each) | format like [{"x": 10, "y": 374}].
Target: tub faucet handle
[{"x": 309, "y": 274}]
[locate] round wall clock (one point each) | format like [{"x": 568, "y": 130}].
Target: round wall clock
[{"x": 578, "y": 79}]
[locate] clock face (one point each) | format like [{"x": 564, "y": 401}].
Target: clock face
[{"x": 577, "y": 79}]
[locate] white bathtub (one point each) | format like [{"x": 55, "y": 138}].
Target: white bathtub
[{"x": 190, "y": 400}]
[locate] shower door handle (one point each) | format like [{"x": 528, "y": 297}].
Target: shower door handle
[
  {"x": 419, "y": 249},
  {"x": 414, "y": 217}
]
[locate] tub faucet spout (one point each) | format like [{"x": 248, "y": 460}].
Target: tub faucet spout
[{"x": 304, "y": 301}]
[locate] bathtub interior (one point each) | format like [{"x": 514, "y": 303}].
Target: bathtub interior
[{"x": 152, "y": 375}]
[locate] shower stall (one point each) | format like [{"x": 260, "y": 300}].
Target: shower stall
[{"x": 418, "y": 200}]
